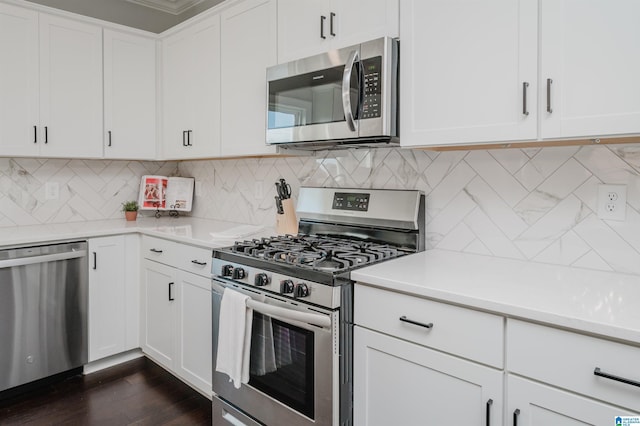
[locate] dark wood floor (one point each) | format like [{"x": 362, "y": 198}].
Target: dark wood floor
[{"x": 134, "y": 393}]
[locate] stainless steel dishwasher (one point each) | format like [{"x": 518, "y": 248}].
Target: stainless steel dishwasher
[{"x": 43, "y": 311}]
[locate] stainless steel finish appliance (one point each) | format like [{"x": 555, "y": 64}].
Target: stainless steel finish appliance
[
  {"x": 43, "y": 311},
  {"x": 301, "y": 294},
  {"x": 341, "y": 98}
]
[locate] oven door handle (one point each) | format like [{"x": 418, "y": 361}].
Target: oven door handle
[{"x": 289, "y": 314}]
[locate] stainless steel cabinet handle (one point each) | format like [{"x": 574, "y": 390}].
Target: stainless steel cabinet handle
[
  {"x": 35, "y": 134},
  {"x": 41, "y": 259},
  {"x": 489, "y": 404},
  {"x": 346, "y": 90},
  {"x": 170, "y": 292},
  {"x": 421, "y": 324},
  {"x": 516, "y": 413},
  {"x": 155, "y": 250},
  {"x": 549, "y": 82},
  {"x": 525, "y": 86},
  {"x": 95, "y": 260},
  {"x": 199, "y": 263},
  {"x": 600, "y": 373},
  {"x": 332, "y": 15},
  {"x": 189, "y": 137},
  {"x": 322, "y": 19}
]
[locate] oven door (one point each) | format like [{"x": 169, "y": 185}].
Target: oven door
[{"x": 294, "y": 369}]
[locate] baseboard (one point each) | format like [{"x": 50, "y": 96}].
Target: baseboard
[{"x": 110, "y": 361}]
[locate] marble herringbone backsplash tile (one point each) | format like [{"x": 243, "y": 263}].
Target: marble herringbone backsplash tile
[
  {"x": 88, "y": 189},
  {"x": 536, "y": 204}
]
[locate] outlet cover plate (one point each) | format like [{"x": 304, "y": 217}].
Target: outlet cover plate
[
  {"x": 612, "y": 202},
  {"x": 51, "y": 191}
]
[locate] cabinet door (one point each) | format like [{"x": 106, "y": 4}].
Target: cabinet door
[
  {"x": 176, "y": 92},
  {"x": 591, "y": 54},
  {"x": 400, "y": 383},
  {"x": 192, "y": 91},
  {"x": 540, "y": 405},
  {"x": 158, "y": 312},
  {"x": 70, "y": 88},
  {"x": 357, "y": 21},
  {"x": 299, "y": 28},
  {"x": 18, "y": 81},
  {"x": 129, "y": 96},
  {"x": 464, "y": 67},
  {"x": 194, "y": 330},
  {"x": 107, "y": 297},
  {"x": 248, "y": 48}
]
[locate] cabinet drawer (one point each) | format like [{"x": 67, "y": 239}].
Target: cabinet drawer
[
  {"x": 464, "y": 332},
  {"x": 182, "y": 256},
  {"x": 568, "y": 360}
]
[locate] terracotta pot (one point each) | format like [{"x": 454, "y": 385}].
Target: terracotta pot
[{"x": 131, "y": 215}]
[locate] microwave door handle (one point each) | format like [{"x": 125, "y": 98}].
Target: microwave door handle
[
  {"x": 289, "y": 314},
  {"x": 346, "y": 90}
]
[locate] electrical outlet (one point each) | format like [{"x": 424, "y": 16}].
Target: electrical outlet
[
  {"x": 258, "y": 190},
  {"x": 612, "y": 202},
  {"x": 51, "y": 191}
]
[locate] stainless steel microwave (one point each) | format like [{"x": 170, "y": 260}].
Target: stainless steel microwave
[{"x": 339, "y": 98}]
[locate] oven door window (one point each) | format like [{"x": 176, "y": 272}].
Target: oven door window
[
  {"x": 282, "y": 360},
  {"x": 312, "y": 98}
]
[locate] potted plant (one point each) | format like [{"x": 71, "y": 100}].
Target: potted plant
[{"x": 130, "y": 209}]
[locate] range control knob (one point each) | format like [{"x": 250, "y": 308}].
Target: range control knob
[
  {"x": 286, "y": 287},
  {"x": 227, "y": 270},
  {"x": 261, "y": 279},
  {"x": 301, "y": 290},
  {"x": 238, "y": 273}
]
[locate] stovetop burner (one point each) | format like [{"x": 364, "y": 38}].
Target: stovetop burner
[{"x": 319, "y": 252}]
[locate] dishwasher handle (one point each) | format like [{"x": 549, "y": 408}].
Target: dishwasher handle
[{"x": 31, "y": 260}]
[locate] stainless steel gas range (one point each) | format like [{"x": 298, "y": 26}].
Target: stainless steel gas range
[{"x": 301, "y": 293}]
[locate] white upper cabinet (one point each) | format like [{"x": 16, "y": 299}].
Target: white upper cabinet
[
  {"x": 306, "y": 28},
  {"x": 590, "y": 55},
  {"x": 50, "y": 85},
  {"x": 468, "y": 71},
  {"x": 191, "y": 90},
  {"x": 18, "y": 81},
  {"x": 70, "y": 88},
  {"x": 129, "y": 96},
  {"x": 248, "y": 48},
  {"x": 466, "y": 67}
]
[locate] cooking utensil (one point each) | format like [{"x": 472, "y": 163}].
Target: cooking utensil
[
  {"x": 284, "y": 189},
  {"x": 279, "y": 207}
]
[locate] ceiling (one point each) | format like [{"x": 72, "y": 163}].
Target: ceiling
[{"x": 149, "y": 15}]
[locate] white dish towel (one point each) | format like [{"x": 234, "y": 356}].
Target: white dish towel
[{"x": 234, "y": 337}]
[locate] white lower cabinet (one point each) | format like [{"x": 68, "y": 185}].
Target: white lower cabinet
[
  {"x": 421, "y": 362},
  {"x": 176, "y": 310},
  {"x": 401, "y": 383},
  {"x": 113, "y": 295},
  {"x": 534, "y": 404},
  {"x": 566, "y": 391},
  {"x": 158, "y": 329}
]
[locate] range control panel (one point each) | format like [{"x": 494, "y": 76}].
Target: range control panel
[{"x": 351, "y": 201}]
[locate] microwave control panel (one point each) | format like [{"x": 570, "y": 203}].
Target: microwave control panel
[
  {"x": 372, "y": 88},
  {"x": 351, "y": 201}
]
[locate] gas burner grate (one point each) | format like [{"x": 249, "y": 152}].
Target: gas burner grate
[{"x": 317, "y": 251}]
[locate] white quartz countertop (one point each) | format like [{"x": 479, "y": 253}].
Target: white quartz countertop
[
  {"x": 183, "y": 229},
  {"x": 596, "y": 302}
]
